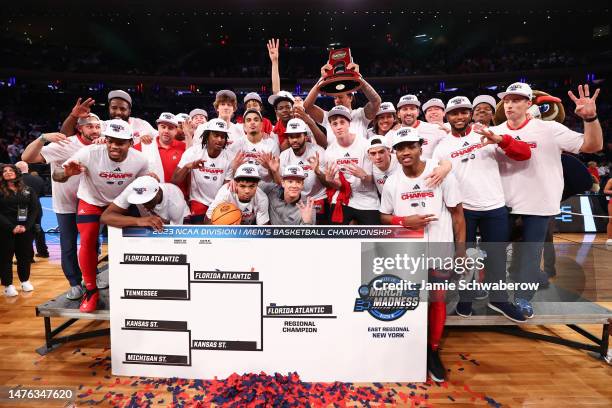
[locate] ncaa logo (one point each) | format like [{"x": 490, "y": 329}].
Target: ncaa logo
[
  {"x": 456, "y": 101},
  {"x": 248, "y": 170},
  {"x": 384, "y": 304},
  {"x": 514, "y": 87},
  {"x": 140, "y": 190},
  {"x": 293, "y": 126}
]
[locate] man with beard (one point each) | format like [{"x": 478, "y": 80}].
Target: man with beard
[
  {"x": 209, "y": 166},
  {"x": 360, "y": 117},
  {"x": 406, "y": 201},
  {"x": 165, "y": 152},
  {"x": 119, "y": 107},
  {"x": 474, "y": 160},
  {"x": 64, "y": 195},
  {"x": 305, "y": 154},
  {"x": 250, "y": 148},
  {"x": 484, "y": 109},
  {"x": 408, "y": 114},
  {"x": 107, "y": 169}
]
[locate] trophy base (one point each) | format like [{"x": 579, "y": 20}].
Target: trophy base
[{"x": 343, "y": 82}]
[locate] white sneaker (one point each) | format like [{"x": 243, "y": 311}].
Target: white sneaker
[
  {"x": 10, "y": 290},
  {"x": 75, "y": 292},
  {"x": 609, "y": 241},
  {"x": 27, "y": 286},
  {"x": 102, "y": 280}
]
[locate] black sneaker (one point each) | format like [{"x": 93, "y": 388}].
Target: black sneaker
[
  {"x": 435, "y": 368},
  {"x": 464, "y": 309},
  {"x": 43, "y": 255},
  {"x": 509, "y": 310}
]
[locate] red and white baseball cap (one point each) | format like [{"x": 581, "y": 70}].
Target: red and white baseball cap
[
  {"x": 408, "y": 100},
  {"x": 433, "y": 102},
  {"x": 517, "y": 88},
  {"x": 340, "y": 110},
  {"x": 458, "y": 102},
  {"x": 167, "y": 117},
  {"x": 296, "y": 125},
  {"x": 385, "y": 107},
  {"x": 142, "y": 190},
  {"x": 117, "y": 128},
  {"x": 294, "y": 171},
  {"x": 405, "y": 134}
]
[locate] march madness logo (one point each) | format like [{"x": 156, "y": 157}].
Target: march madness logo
[{"x": 386, "y": 304}]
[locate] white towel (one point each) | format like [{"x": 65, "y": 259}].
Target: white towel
[{"x": 151, "y": 151}]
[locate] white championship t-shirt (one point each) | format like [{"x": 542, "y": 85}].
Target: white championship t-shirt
[
  {"x": 312, "y": 185},
  {"x": 208, "y": 179},
  {"x": 253, "y": 212},
  {"x": 105, "y": 179},
  {"x": 380, "y": 177},
  {"x": 535, "y": 186},
  {"x": 364, "y": 195},
  {"x": 403, "y": 196},
  {"x": 252, "y": 150},
  {"x": 172, "y": 209},
  {"x": 431, "y": 134},
  {"x": 359, "y": 125},
  {"x": 64, "y": 195},
  {"x": 475, "y": 167}
]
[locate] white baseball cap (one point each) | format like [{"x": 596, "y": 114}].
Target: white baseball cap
[
  {"x": 181, "y": 117},
  {"x": 281, "y": 94},
  {"x": 296, "y": 125},
  {"x": 408, "y": 100},
  {"x": 198, "y": 111},
  {"x": 458, "y": 102},
  {"x": 167, "y": 117},
  {"x": 377, "y": 141},
  {"x": 217, "y": 125},
  {"x": 294, "y": 171},
  {"x": 247, "y": 170},
  {"x": 142, "y": 190},
  {"x": 339, "y": 110},
  {"x": 517, "y": 88},
  {"x": 118, "y": 93},
  {"x": 90, "y": 118},
  {"x": 433, "y": 102},
  {"x": 385, "y": 107},
  {"x": 405, "y": 134},
  {"x": 252, "y": 96},
  {"x": 117, "y": 128},
  {"x": 488, "y": 99}
]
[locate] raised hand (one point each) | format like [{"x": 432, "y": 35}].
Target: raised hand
[
  {"x": 196, "y": 164},
  {"x": 273, "y": 49},
  {"x": 324, "y": 69},
  {"x": 57, "y": 137},
  {"x": 314, "y": 161},
  {"x": 81, "y": 110},
  {"x": 74, "y": 168},
  {"x": 239, "y": 159},
  {"x": 585, "y": 104},
  {"x": 352, "y": 67},
  {"x": 306, "y": 210},
  {"x": 487, "y": 136},
  {"x": 330, "y": 172},
  {"x": 356, "y": 171}
]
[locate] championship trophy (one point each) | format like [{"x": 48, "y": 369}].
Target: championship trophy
[{"x": 340, "y": 79}]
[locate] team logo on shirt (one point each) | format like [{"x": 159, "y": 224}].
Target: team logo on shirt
[
  {"x": 415, "y": 194},
  {"x": 467, "y": 151},
  {"x": 532, "y": 145},
  {"x": 384, "y": 304}
]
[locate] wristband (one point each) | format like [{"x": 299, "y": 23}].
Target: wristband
[
  {"x": 589, "y": 120},
  {"x": 43, "y": 138},
  {"x": 396, "y": 220}
]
